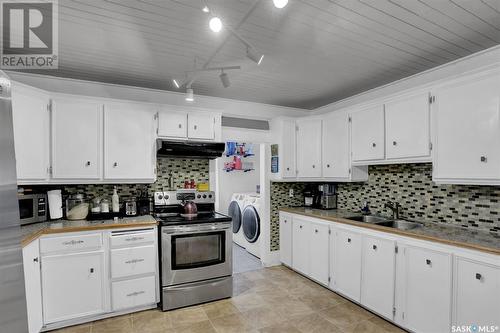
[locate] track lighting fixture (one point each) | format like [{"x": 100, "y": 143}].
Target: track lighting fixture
[
  {"x": 224, "y": 78},
  {"x": 253, "y": 55},
  {"x": 205, "y": 9},
  {"x": 215, "y": 24},
  {"x": 189, "y": 95},
  {"x": 280, "y": 3},
  {"x": 176, "y": 84}
]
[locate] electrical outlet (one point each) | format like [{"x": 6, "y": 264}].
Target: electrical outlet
[{"x": 290, "y": 193}]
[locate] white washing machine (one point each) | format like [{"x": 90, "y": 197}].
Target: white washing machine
[
  {"x": 250, "y": 222},
  {"x": 235, "y": 210}
]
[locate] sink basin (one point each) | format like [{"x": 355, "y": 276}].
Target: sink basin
[
  {"x": 370, "y": 219},
  {"x": 400, "y": 224}
]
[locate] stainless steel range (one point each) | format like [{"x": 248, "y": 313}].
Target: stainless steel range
[{"x": 196, "y": 251}]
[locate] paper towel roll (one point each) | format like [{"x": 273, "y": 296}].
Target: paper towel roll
[{"x": 55, "y": 204}]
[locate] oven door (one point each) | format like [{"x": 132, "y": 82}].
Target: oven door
[{"x": 193, "y": 253}]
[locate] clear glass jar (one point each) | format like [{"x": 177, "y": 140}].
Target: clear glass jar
[
  {"x": 77, "y": 207},
  {"x": 105, "y": 205}
]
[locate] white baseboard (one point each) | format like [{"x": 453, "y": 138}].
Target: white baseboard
[{"x": 272, "y": 259}]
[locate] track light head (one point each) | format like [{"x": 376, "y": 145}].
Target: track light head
[
  {"x": 280, "y": 3},
  {"x": 215, "y": 24},
  {"x": 224, "y": 78},
  {"x": 253, "y": 55},
  {"x": 189, "y": 95},
  {"x": 176, "y": 84},
  {"x": 205, "y": 9}
]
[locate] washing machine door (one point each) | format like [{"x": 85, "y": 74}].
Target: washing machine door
[
  {"x": 235, "y": 212},
  {"x": 251, "y": 224}
]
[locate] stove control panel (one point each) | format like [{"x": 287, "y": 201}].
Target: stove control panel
[{"x": 179, "y": 197}]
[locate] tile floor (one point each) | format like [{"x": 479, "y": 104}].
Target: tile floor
[
  {"x": 268, "y": 300},
  {"x": 244, "y": 261}
]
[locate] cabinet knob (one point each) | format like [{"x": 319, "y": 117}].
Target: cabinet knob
[
  {"x": 195, "y": 127},
  {"x": 428, "y": 261},
  {"x": 394, "y": 143},
  {"x": 484, "y": 159},
  {"x": 115, "y": 164},
  {"x": 316, "y": 230},
  {"x": 374, "y": 145},
  {"x": 328, "y": 165},
  {"x": 300, "y": 227},
  {"x": 284, "y": 221},
  {"x": 374, "y": 247},
  {"x": 287, "y": 169},
  {"x": 314, "y": 166},
  {"x": 91, "y": 270},
  {"x": 478, "y": 276},
  {"x": 35, "y": 259},
  {"x": 88, "y": 163},
  {"x": 348, "y": 240},
  {"x": 180, "y": 125}
]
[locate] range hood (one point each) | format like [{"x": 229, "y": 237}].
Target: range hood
[{"x": 190, "y": 149}]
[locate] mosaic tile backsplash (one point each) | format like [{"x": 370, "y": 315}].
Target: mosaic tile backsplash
[{"x": 475, "y": 207}]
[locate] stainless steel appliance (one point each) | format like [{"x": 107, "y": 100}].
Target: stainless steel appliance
[
  {"x": 312, "y": 196},
  {"x": 191, "y": 149},
  {"x": 328, "y": 196},
  {"x": 196, "y": 251},
  {"x": 130, "y": 207},
  {"x": 13, "y": 316},
  {"x": 32, "y": 208}
]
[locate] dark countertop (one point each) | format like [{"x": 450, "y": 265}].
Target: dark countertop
[{"x": 447, "y": 234}]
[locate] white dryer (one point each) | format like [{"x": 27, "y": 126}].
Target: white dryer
[
  {"x": 235, "y": 210},
  {"x": 251, "y": 226}
]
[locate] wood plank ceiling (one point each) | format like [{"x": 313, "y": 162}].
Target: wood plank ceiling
[{"x": 316, "y": 51}]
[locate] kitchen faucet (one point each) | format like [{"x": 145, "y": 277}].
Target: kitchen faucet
[{"x": 394, "y": 207}]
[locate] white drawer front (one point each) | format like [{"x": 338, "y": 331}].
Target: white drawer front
[
  {"x": 132, "y": 238},
  {"x": 71, "y": 243},
  {"x": 133, "y": 261},
  {"x": 132, "y": 293}
]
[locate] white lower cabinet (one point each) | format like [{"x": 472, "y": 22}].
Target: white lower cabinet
[
  {"x": 132, "y": 261},
  {"x": 300, "y": 245},
  {"x": 427, "y": 290},
  {"x": 33, "y": 287},
  {"x": 378, "y": 275},
  {"x": 133, "y": 293},
  {"x": 318, "y": 252},
  {"x": 72, "y": 285},
  {"x": 476, "y": 293},
  {"x": 286, "y": 239},
  {"x": 347, "y": 263}
]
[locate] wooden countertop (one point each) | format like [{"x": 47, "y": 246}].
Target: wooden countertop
[
  {"x": 33, "y": 231},
  {"x": 451, "y": 235}
]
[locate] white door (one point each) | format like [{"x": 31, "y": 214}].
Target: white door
[
  {"x": 467, "y": 124},
  {"x": 367, "y": 134},
  {"x": 201, "y": 126},
  {"x": 128, "y": 142},
  {"x": 309, "y": 148},
  {"x": 347, "y": 264},
  {"x": 76, "y": 138},
  {"x": 31, "y": 120},
  {"x": 335, "y": 146},
  {"x": 318, "y": 252},
  {"x": 477, "y": 291},
  {"x": 407, "y": 127},
  {"x": 378, "y": 275},
  {"x": 300, "y": 245},
  {"x": 172, "y": 123},
  {"x": 428, "y": 290},
  {"x": 33, "y": 286},
  {"x": 72, "y": 286},
  {"x": 288, "y": 149},
  {"x": 286, "y": 239}
]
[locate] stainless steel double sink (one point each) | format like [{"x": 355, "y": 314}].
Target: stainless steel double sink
[{"x": 386, "y": 222}]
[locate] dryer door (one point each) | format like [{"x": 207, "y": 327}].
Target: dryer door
[
  {"x": 235, "y": 212},
  {"x": 251, "y": 224}
]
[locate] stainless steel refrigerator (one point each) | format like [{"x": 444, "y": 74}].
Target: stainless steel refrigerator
[{"x": 13, "y": 317}]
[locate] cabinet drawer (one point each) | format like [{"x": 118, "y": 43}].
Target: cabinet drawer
[
  {"x": 132, "y": 293},
  {"x": 132, "y": 261},
  {"x": 127, "y": 238},
  {"x": 71, "y": 243}
]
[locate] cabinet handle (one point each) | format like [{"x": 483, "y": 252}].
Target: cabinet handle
[
  {"x": 133, "y": 239},
  {"x": 88, "y": 163},
  {"x": 287, "y": 169},
  {"x": 115, "y": 164},
  {"x": 478, "y": 276},
  {"x": 374, "y": 145},
  {"x": 316, "y": 230},
  {"x": 300, "y": 227},
  {"x": 73, "y": 242},
  {"x": 134, "y": 261},
  {"x": 328, "y": 165},
  {"x": 484, "y": 159},
  {"x": 394, "y": 143},
  {"x": 35, "y": 259},
  {"x": 428, "y": 262},
  {"x": 195, "y": 127},
  {"x": 348, "y": 240},
  {"x": 135, "y": 293},
  {"x": 314, "y": 166},
  {"x": 374, "y": 247},
  {"x": 180, "y": 125},
  {"x": 91, "y": 270},
  {"x": 285, "y": 221}
]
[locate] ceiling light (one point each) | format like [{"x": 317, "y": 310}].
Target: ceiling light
[
  {"x": 253, "y": 55},
  {"x": 189, "y": 95},
  {"x": 280, "y": 3},
  {"x": 224, "y": 78},
  {"x": 205, "y": 9},
  {"x": 176, "y": 84},
  {"x": 215, "y": 24}
]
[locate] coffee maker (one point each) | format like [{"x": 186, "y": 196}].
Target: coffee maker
[
  {"x": 328, "y": 196},
  {"x": 312, "y": 197}
]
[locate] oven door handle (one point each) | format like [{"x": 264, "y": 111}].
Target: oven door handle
[{"x": 194, "y": 230}]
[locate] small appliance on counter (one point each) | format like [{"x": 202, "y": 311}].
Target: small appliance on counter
[
  {"x": 130, "y": 206},
  {"x": 32, "y": 208},
  {"x": 328, "y": 196},
  {"x": 312, "y": 197},
  {"x": 77, "y": 207}
]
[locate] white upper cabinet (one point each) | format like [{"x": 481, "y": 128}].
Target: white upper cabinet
[
  {"x": 129, "y": 147},
  {"x": 309, "y": 148},
  {"x": 201, "y": 126},
  {"x": 335, "y": 145},
  {"x": 287, "y": 149},
  {"x": 76, "y": 138},
  {"x": 407, "y": 128},
  {"x": 367, "y": 134},
  {"x": 172, "y": 124},
  {"x": 31, "y": 119},
  {"x": 466, "y": 118}
]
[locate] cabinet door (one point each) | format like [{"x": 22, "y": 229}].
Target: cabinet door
[
  {"x": 309, "y": 148},
  {"x": 286, "y": 239},
  {"x": 407, "y": 127},
  {"x": 300, "y": 245},
  {"x": 30, "y": 112},
  {"x": 335, "y": 147},
  {"x": 33, "y": 286},
  {"x": 428, "y": 290},
  {"x": 72, "y": 286},
  {"x": 347, "y": 273},
  {"x": 128, "y": 142},
  {"x": 172, "y": 124},
  {"x": 318, "y": 252},
  {"x": 378, "y": 275},
  {"x": 477, "y": 291},
  {"x": 76, "y": 138},
  {"x": 288, "y": 149},
  {"x": 201, "y": 126},
  {"x": 367, "y": 134},
  {"x": 467, "y": 122}
]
